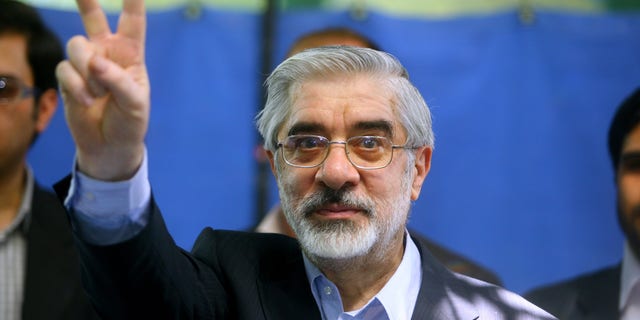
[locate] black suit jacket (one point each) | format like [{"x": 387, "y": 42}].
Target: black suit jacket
[
  {"x": 53, "y": 288},
  {"x": 593, "y": 296},
  {"x": 240, "y": 275}
]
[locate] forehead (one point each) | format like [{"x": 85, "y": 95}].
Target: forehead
[
  {"x": 342, "y": 104},
  {"x": 13, "y": 57},
  {"x": 632, "y": 141}
]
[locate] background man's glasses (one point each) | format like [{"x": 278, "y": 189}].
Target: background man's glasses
[
  {"x": 13, "y": 89},
  {"x": 364, "y": 152}
]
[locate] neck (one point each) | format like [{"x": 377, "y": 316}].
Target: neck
[
  {"x": 359, "y": 279},
  {"x": 12, "y": 184}
]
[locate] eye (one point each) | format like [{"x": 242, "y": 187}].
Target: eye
[
  {"x": 306, "y": 142},
  {"x": 631, "y": 163},
  {"x": 8, "y": 88},
  {"x": 368, "y": 142}
]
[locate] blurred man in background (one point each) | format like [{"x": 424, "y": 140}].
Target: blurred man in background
[
  {"x": 39, "y": 268},
  {"x": 612, "y": 292}
]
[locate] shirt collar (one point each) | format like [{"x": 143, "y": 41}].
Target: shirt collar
[
  {"x": 406, "y": 280},
  {"x": 630, "y": 275}
]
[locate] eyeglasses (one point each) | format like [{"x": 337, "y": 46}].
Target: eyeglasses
[
  {"x": 13, "y": 89},
  {"x": 364, "y": 152}
]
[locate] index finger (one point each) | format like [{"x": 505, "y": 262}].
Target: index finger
[
  {"x": 132, "y": 22},
  {"x": 94, "y": 20}
]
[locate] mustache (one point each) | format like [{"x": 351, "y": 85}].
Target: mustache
[{"x": 344, "y": 197}]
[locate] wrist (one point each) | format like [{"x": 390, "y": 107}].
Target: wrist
[{"x": 111, "y": 165}]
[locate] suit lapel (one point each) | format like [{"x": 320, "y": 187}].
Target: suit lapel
[
  {"x": 600, "y": 300},
  {"x": 52, "y": 271},
  {"x": 285, "y": 292},
  {"x": 435, "y": 299}
]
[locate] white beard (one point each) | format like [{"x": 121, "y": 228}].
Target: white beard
[
  {"x": 345, "y": 239},
  {"x": 338, "y": 239}
]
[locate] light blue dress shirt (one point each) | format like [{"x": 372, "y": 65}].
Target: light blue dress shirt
[{"x": 629, "y": 304}]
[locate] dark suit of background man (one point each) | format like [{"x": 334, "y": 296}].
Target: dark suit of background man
[
  {"x": 275, "y": 222},
  {"x": 39, "y": 268},
  {"x": 349, "y": 140},
  {"x": 613, "y": 292}
]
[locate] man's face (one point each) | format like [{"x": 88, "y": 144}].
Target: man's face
[
  {"x": 629, "y": 189},
  {"x": 337, "y": 210},
  {"x": 17, "y": 119}
]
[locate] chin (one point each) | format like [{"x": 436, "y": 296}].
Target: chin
[{"x": 336, "y": 239}]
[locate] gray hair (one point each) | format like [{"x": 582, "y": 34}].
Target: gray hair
[{"x": 290, "y": 74}]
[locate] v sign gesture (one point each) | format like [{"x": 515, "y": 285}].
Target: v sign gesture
[{"x": 105, "y": 89}]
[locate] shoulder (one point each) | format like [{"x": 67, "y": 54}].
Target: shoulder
[
  {"x": 455, "y": 261},
  {"x": 45, "y": 199},
  {"x": 600, "y": 287},
  {"x": 585, "y": 282},
  {"x": 465, "y": 297},
  {"x": 210, "y": 239},
  {"x": 47, "y": 212},
  {"x": 494, "y": 302},
  {"x": 237, "y": 248}
]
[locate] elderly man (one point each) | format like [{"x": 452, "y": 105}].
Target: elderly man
[{"x": 349, "y": 140}]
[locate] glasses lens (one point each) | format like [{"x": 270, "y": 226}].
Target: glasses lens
[
  {"x": 369, "y": 151},
  {"x": 304, "y": 150},
  {"x": 9, "y": 88}
]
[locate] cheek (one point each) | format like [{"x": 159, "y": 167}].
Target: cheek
[
  {"x": 295, "y": 181},
  {"x": 17, "y": 122},
  {"x": 386, "y": 190},
  {"x": 629, "y": 192}
]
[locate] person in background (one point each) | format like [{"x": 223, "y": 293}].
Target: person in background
[
  {"x": 275, "y": 222},
  {"x": 349, "y": 140},
  {"x": 612, "y": 292},
  {"x": 39, "y": 268}
]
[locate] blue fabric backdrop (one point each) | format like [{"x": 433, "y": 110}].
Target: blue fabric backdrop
[{"x": 520, "y": 179}]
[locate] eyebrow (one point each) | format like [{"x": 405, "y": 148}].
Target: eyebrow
[
  {"x": 632, "y": 155},
  {"x": 379, "y": 125},
  {"x": 309, "y": 127},
  {"x": 304, "y": 127}
]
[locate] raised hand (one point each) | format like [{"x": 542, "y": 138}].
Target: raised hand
[{"x": 105, "y": 89}]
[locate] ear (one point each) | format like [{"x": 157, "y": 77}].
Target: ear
[
  {"x": 46, "y": 108},
  {"x": 272, "y": 161},
  {"x": 422, "y": 165}
]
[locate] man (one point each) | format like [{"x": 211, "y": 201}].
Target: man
[
  {"x": 39, "y": 268},
  {"x": 349, "y": 140},
  {"x": 612, "y": 292},
  {"x": 275, "y": 221}
]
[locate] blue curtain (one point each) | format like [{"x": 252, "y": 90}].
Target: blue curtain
[{"x": 520, "y": 179}]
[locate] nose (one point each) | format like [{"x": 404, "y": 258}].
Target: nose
[{"x": 337, "y": 171}]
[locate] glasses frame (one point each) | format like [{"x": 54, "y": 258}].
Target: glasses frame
[
  {"x": 24, "y": 92},
  {"x": 280, "y": 146}
]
